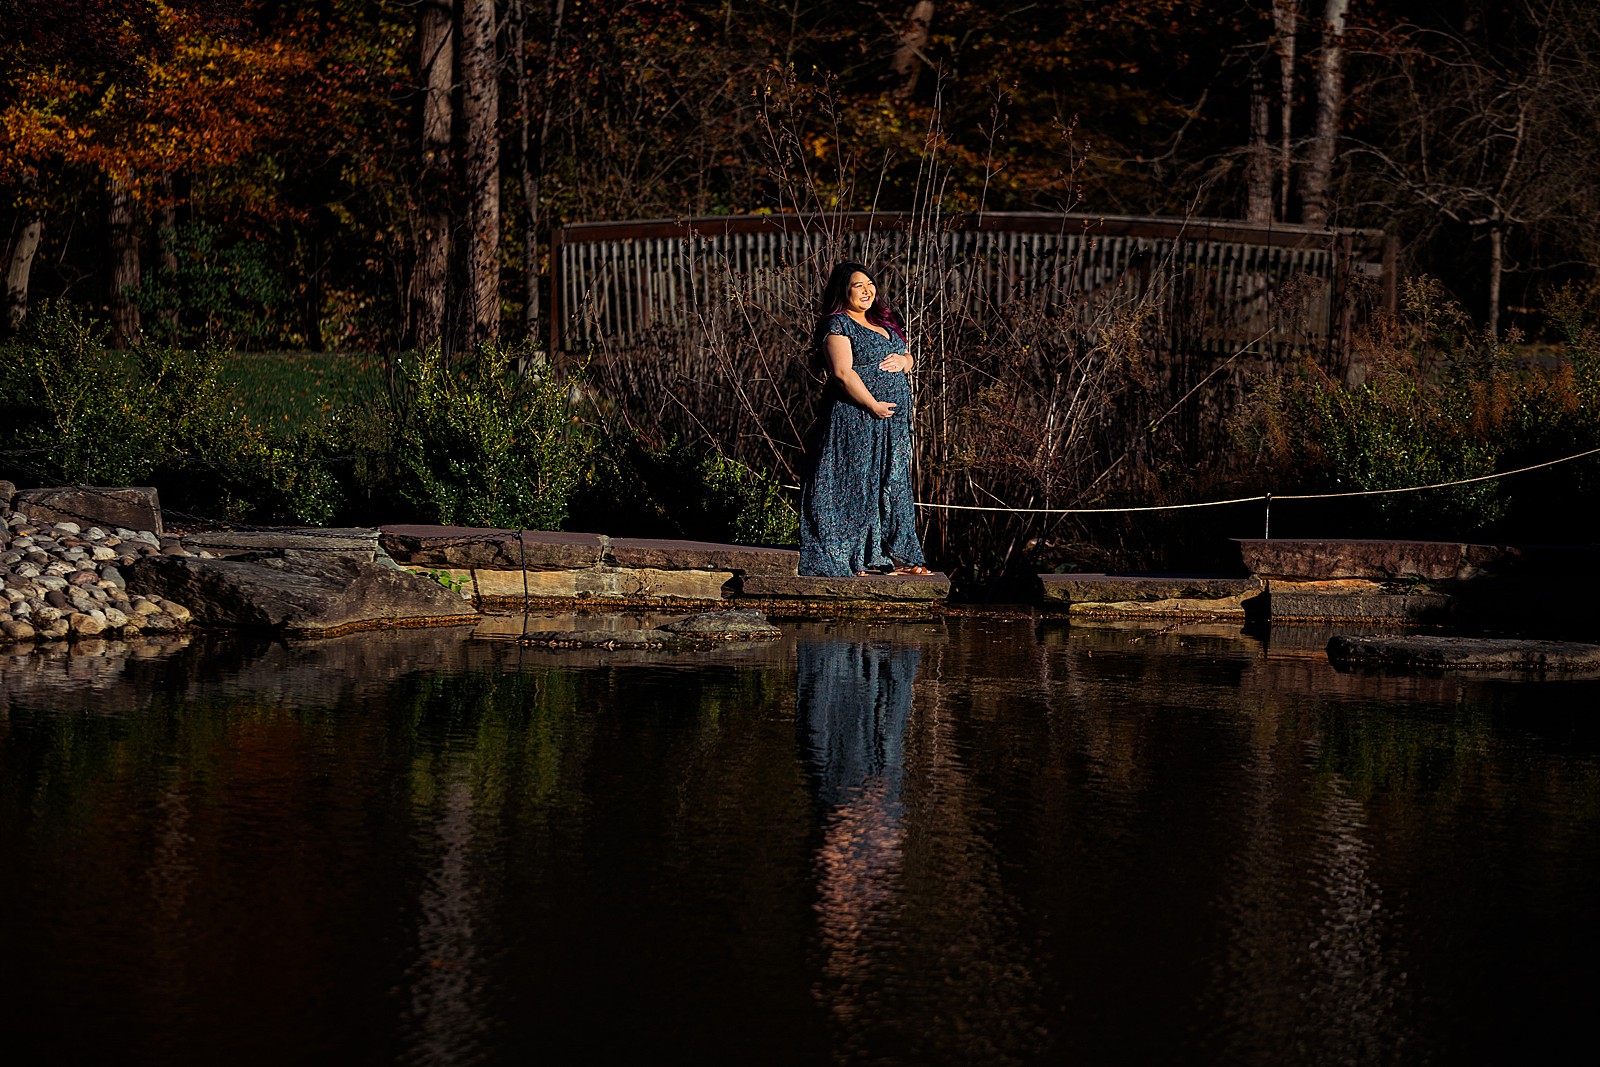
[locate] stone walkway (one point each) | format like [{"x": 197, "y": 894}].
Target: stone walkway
[
  {"x": 1469, "y": 587},
  {"x": 1154, "y": 595},
  {"x": 502, "y": 568},
  {"x": 1537, "y": 588},
  {"x": 1282, "y": 581}
]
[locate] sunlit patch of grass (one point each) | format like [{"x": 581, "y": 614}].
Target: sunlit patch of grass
[{"x": 294, "y": 390}]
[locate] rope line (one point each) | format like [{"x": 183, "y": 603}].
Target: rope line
[
  {"x": 1246, "y": 499},
  {"x": 1446, "y": 485},
  {"x": 1260, "y": 496},
  {"x": 1090, "y": 511}
]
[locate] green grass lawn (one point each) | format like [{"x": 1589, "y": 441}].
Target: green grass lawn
[{"x": 291, "y": 390}]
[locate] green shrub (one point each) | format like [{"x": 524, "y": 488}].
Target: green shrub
[
  {"x": 759, "y": 512},
  {"x": 1441, "y": 402},
  {"x": 677, "y": 490},
  {"x": 76, "y": 411},
  {"x": 486, "y": 441},
  {"x": 225, "y": 287},
  {"x": 71, "y": 410},
  {"x": 1393, "y": 433}
]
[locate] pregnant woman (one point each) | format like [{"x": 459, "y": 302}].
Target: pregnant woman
[{"x": 856, "y": 513}]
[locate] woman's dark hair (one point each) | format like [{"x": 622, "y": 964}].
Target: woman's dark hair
[{"x": 835, "y": 297}]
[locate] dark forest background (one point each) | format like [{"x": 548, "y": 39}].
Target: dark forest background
[
  {"x": 188, "y": 186},
  {"x": 362, "y": 174}
]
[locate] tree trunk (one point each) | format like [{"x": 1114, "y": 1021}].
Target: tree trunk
[
  {"x": 1317, "y": 176},
  {"x": 315, "y": 253},
  {"x": 480, "y": 109},
  {"x": 430, "y": 278},
  {"x": 1258, "y": 166},
  {"x": 533, "y": 154},
  {"x": 20, "y": 269},
  {"x": 166, "y": 240},
  {"x": 124, "y": 246},
  {"x": 1497, "y": 263},
  {"x": 525, "y": 167},
  {"x": 1286, "y": 19},
  {"x": 169, "y": 229},
  {"x": 907, "y": 63}
]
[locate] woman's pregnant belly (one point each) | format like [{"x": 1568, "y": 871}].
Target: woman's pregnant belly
[{"x": 890, "y": 387}]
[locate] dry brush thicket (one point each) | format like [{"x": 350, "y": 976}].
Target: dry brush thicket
[{"x": 1046, "y": 399}]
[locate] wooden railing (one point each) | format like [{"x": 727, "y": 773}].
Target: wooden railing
[{"x": 1221, "y": 283}]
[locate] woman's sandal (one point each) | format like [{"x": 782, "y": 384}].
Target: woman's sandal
[{"x": 915, "y": 568}]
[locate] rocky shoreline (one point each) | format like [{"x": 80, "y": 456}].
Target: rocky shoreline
[
  {"x": 82, "y": 564},
  {"x": 63, "y": 580}
]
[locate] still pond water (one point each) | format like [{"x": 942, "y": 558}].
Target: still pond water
[{"x": 971, "y": 841}]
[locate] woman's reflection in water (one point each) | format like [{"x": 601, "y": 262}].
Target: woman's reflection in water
[{"x": 853, "y": 703}]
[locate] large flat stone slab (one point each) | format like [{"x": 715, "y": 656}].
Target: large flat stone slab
[
  {"x": 354, "y": 541},
  {"x": 632, "y": 584},
  {"x": 701, "y": 555},
  {"x": 877, "y": 587},
  {"x": 1529, "y": 602},
  {"x": 1373, "y": 560},
  {"x": 1126, "y": 588},
  {"x": 1327, "y": 586},
  {"x": 298, "y": 592},
  {"x": 695, "y": 631},
  {"x": 1463, "y": 653},
  {"x": 1357, "y": 607},
  {"x": 133, "y": 508},
  {"x": 456, "y": 546},
  {"x": 1151, "y": 595},
  {"x": 465, "y": 546},
  {"x": 1388, "y": 561}
]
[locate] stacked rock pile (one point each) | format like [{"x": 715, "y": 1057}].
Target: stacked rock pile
[{"x": 62, "y": 580}]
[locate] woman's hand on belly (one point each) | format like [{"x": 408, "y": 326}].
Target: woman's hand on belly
[
  {"x": 896, "y": 363},
  {"x": 856, "y": 389}
]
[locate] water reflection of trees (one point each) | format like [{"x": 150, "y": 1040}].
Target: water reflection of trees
[
  {"x": 230, "y": 812},
  {"x": 1304, "y": 834},
  {"x": 990, "y": 846}
]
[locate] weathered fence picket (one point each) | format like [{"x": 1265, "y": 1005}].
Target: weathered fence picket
[{"x": 1222, "y": 283}]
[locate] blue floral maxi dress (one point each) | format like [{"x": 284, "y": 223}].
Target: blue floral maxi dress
[{"x": 856, "y": 511}]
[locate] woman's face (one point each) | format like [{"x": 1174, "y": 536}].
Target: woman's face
[{"x": 862, "y": 293}]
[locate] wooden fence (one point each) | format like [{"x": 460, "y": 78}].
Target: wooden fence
[{"x": 1220, "y": 284}]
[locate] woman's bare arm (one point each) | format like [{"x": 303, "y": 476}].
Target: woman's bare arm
[{"x": 841, "y": 366}]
